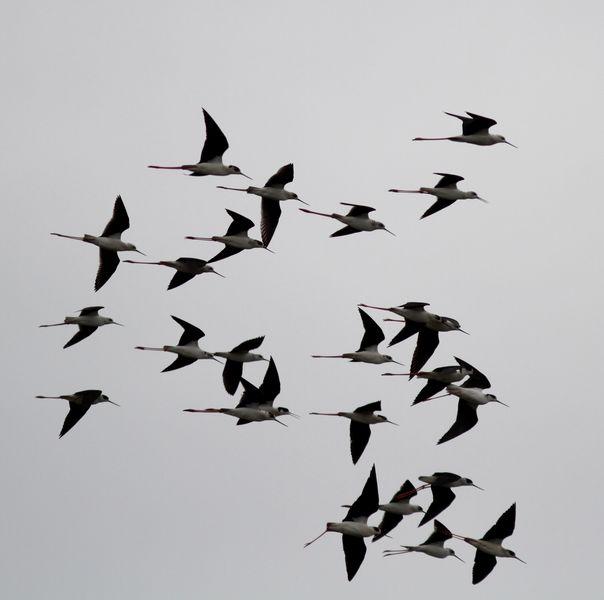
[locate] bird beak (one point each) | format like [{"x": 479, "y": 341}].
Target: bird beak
[
  {"x": 219, "y": 362},
  {"x": 477, "y": 486},
  {"x": 247, "y": 176},
  {"x": 280, "y": 423},
  {"x": 116, "y": 323},
  {"x": 390, "y": 232},
  {"x": 482, "y": 199},
  {"x": 397, "y": 363},
  {"x": 522, "y": 561},
  {"x": 114, "y": 403},
  {"x": 510, "y": 144},
  {"x": 463, "y": 331},
  {"x": 500, "y": 402},
  {"x": 393, "y": 423},
  {"x": 291, "y": 414},
  {"x": 140, "y": 252},
  {"x": 271, "y": 251},
  {"x": 219, "y": 274},
  {"x": 306, "y": 203},
  {"x": 457, "y": 557}
]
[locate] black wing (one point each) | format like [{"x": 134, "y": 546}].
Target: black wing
[
  {"x": 476, "y": 379},
  {"x": 354, "y": 553},
  {"x": 369, "y": 408},
  {"x": 344, "y": 231},
  {"x": 406, "y": 491},
  {"x": 248, "y": 345},
  {"x": 367, "y": 503},
  {"x": 359, "y": 436},
  {"x": 437, "y": 206},
  {"x": 91, "y": 310},
  {"x": 483, "y": 564},
  {"x": 76, "y": 412},
  {"x": 231, "y": 375},
  {"x": 439, "y": 535},
  {"x": 431, "y": 388},
  {"x": 504, "y": 526},
  {"x": 270, "y": 212},
  {"x": 389, "y": 522},
  {"x": 190, "y": 333},
  {"x": 283, "y": 176},
  {"x": 240, "y": 224},
  {"x": 216, "y": 143},
  {"x": 467, "y": 417},
  {"x": 179, "y": 363},
  {"x": 410, "y": 329},
  {"x": 179, "y": 278},
  {"x": 474, "y": 123},
  {"x": 108, "y": 262},
  {"x": 445, "y": 478},
  {"x": 481, "y": 122},
  {"x": 251, "y": 394},
  {"x": 373, "y": 333},
  {"x": 82, "y": 333},
  {"x": 427, "y": 342},
  {"x": 441, "y": 499},
  {"x": 271, "y": 385},
  {"x": 358, "y": 210},
  {"x": 243, "y": 422},
  {"x": 448, "y": 180},
  {"x": 119, "y": 221},
  {"x": 225, "y": 253}
]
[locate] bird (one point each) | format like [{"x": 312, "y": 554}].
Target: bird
[
  {"x": 272, "y": 193},
  {"x": 210, "y": 162},
  {"x": 356, "y": 220},
  {"x": 88, "y": 322},
  {"x": 438, "y": 378},
  {"x": 233, "y": 366},
  {"x": 446, "y": 192},
  {"x": 236, "y": 238},
  {"x": 109, "y": 243},
  {"x": 187, "y": 349},
  {"x": 433, "y": 546},
  {"x": 186, "y": 268},
  {"x": 475, "y": 131},
  {"x": 442, "y": 495},
  {"x": 398, "y": 507},
  {"x": 354, "y": 526},
  {"x": 360, "y": 420},
  {"x": 425, "y": 324},
  {"x": 489, "y": 548},
  {"x": 79, "y": 403},
  {"x": 368, "y": 350}
]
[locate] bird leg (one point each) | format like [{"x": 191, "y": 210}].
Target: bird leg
[
  {"x": 313, "y": 212},
  {"x": 71, "y": 237},
  {"x": 224, "y": 187},
  {"x": 158, "y": 167},
  {"x": 54, "y": 325},
  {"x": 147, "y": 348},
  {"x": 313, "y": 541},
  {"x": 327, "y": 356}
]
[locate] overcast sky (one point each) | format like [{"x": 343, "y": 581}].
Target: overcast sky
[{"x": 144, "y": 501}]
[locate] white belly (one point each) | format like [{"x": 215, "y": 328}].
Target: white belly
[
  {"x": 360, "y": 223},
  {"x": 249, "y": 414},
  {"x": 268, "y": 192},
  {"x": 366, "y": 419},
  {"x": 189, "y": 351},
  {"x": 489, "y": 547},
  {"x": 236, "y": 241},
  {"x": 399, "y": 508},
  {"x": 434, "y": 550},
  {"x": 110, "y": 243},
  {"x": 208, "y": 168},
  {"x": 445, "y": 193},
  {"x": 479, "y": 139},
  {"x": 374, "y": 358},
  {"x": 417, "y": 316},
  {"x": 474, "y": 395},
  {"x": 352, "y": 528}
]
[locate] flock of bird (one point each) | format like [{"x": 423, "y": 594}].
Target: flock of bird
[{"x": 257, "y": 402}]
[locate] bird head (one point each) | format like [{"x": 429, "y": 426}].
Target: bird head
[{"x": 233, "y": 170}]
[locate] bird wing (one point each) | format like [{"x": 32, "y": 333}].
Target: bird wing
[
  {"x": 119, "y": 221},
  {"x": 271, "y": 385},
  {"x": 359, "y": 436},
  {"x": 249, "y": 345},
  {"x": 440, "y": 204},
  {"x": 405, "y": 492},
  {"x": 108, "y": 262},
  {"x": 358, "y": 210},
  {"x": 243, "y": 422},
  {"x": 448, "y": 180},
  {"x": 88, "y": 396},
  {"x": 410, "y": 328},
  {"x": 240, "y": 224},
  {"x": 466, "y": 418},
  {"x": 369, "y": 408},
  {"x": 179, "y": 363},
  {"x": 90, "y": 310},
  {"x": 82, "y": 333},
  {"x": 441, "y": 499},
  {"x": 440, "y": 534},
  {"x": 179, "y": 278},
  {"x": 225, "y": 253},
  {"x": 480, "y": 122},
  {"x": 190, "y": 333},
  {"x": 367, "y": 503},
  {"x": 431, "y": 388},
  {"x": 344, "y": 231},
  {"x": 231, "y": 375},
  {"x": 76, "y": 412},
  {"x": 427, "y": 342},
  {"x": 270, "y": 212},
  {"x": 483, "y": 564},
  {"x": 476, "y": 379},
  {"x": 283, "y": 176},
  {"x": 444, "y": 478},
  {"x": 389, "y": 522},
  {"x": 373, "y": 333},
  {"x": 216, "y": 143},
  {"x": 251, "y": 394},
  {"x": 354, "y": 553},
  {"x": 504, "y": 526}
]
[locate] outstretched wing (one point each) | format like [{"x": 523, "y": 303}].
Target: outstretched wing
[
  {"x": 358, "y": 210},
  {"x": 427, "y": 342},
  {"x": 354, "y": 553},
  {"x": 225, "y": 253},
  {"x": 344, "y": 231},
  {"x": 504, "y": 526},
  {"x": 231, "y": 375},
  {"x": 448, "y": 180},
  {"x": 431, "y": 388},
  {"x": 216, "y": 143},
  {"x": 282, "y": 177},
  {"x": 441, "y": 499},
  {"x": 359, "y": 437},
  {"x": 271, "y": 385},
  {"x": 467, "y": 417},
  {"x": 389, "y": 522},
  {"x": 179, "y": 363},
  {"x": 249, "y": 345},
  {"x": 190, "y": 333},
  {"x": 82, "y": 333},
  {"x": 240, "y": 224},
  {"x": 373, "y": 332},
  {"x": 410, "y": 329},
  {"x": 483, "y": 564},
  {"x": 179, "y": 278},
  {"x": 108, "y": 262},
  {"x": 440, "y": 204},
  {"x": 119, "y": 221},
  {"x": 76, "y": 412},
  {"x": 269, "y": 219}
]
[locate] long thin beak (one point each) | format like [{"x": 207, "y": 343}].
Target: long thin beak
[
  {"x": 462, "y": 331},
  {"x": 294, "y": 415},
  {"x": 280, "y": 423},
  {"x": 391, "y": 422},
  {"x": 397, "y": 363},
  {"x": 457, "y": 557},
  {"x": 522, "y": 561},
  {"x": 510, "y": 144},
  {"x": 112, "y": 402},
  {"x": 500, "y": 402},
  {"x": 140, "y": 252},
  {"x": 482, "y": 199},
  {"x": 247, "y": 176},
  {"x": 271, "y": 251},
  {"x": 307, "y": 204},
  {"x": 218, "y": 361},
  {"x": 390, "y": 232},
  {"x": 116, "y": 323},
  {"x": 219, "y": 274},
  {"x": 477, "y": 486}
]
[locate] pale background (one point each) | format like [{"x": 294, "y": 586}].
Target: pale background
[{"x": 146, "y": 502}]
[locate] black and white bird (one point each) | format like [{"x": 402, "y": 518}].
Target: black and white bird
[
  {"x": 354, "y": 526},
  {"x": 235, "y": 239},
  {"x": 398, "y": 507},
  {"x": 187, "y": 349},
  {"x": 210, "y": 162},
  {"x": 109, "y": 243},
  {"x": 475, "y": 130},
  {"x": 272, "y": 193},
  {"x": 446, "y": 192},
  {"x": 88, "y": 322},
  {"x": 233, "y": 367},
  {"x": 360, "y": 420},
  {"x": 186, "y": 268},
  {"x": 489, "y": 546},
  {"x": 356, "y": 220},
  {"x": 425, "y": 324},
  {"x": 434, "y": 546},
  {"x": 368, "y": 350},
  {"x": 442, "y": 495},
  {"x": 79, "y": 403}
]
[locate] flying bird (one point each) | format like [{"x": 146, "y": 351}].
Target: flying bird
[
  {"x": 272, "y": 193},
  {"x": 187, "y": 349},
  {"x": 475, "y": 131},
  {"x": 446, "y": 192},
  {"x": 233, "y": 367},
  {"x": 210, "y": 162},
  {"x": 356, "y": 220},
  {"x": 354, "y": 526},
  {"x": 186, "y": 268},
  {"x": 88, "y": 322},
  {"x": 236, "y": 238},
  {"x": 434, "y": 546},
  {"x": 397, "y": 508},
  {"x": 360, "y": 420},
  {"x": 109, "y": 243},
  {"x": 79, "y": 403},
  {"x": 368, "y": 350}
]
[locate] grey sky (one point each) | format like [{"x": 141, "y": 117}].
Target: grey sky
[{"x": 144, "y": 501}]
